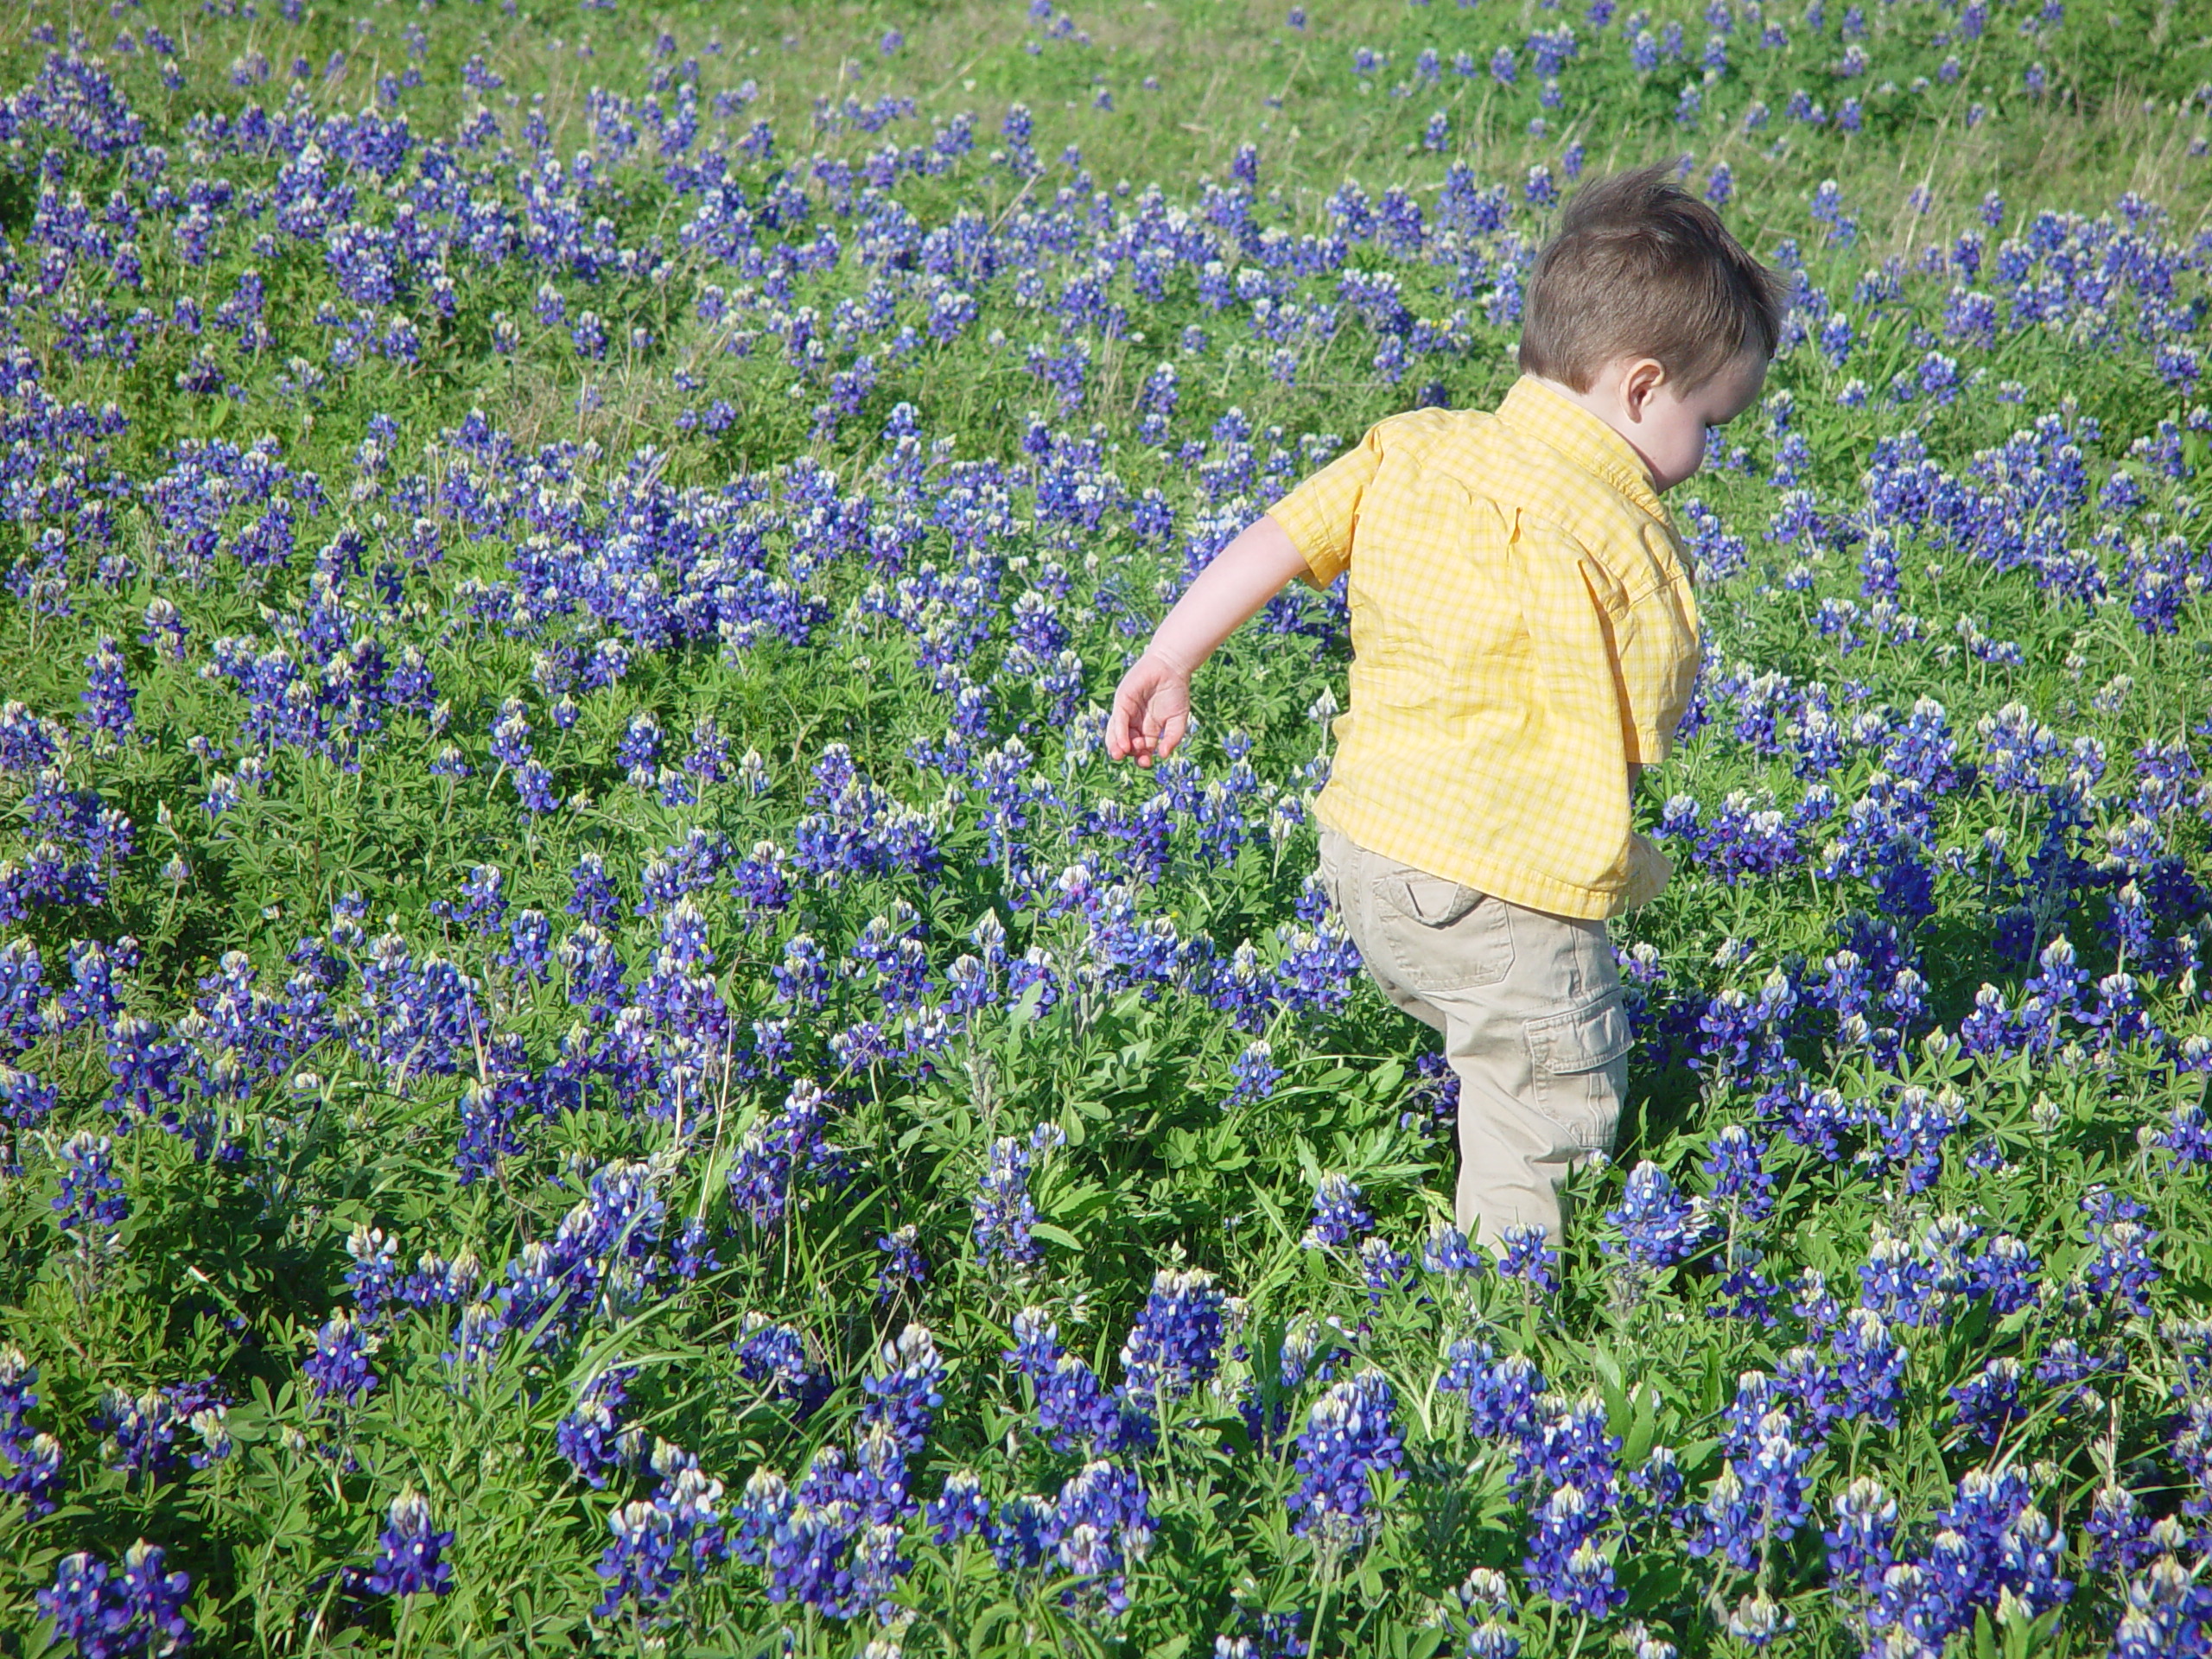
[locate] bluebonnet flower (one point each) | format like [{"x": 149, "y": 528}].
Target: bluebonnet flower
[
  {"x": 1570, "y": 1447},
  {"x": 79, "y": 1605},
  {"x": 639, "y": 749},
  {"x": 1990, "y": 1543},
  {"x": 1349, "y": 1437},
  {"x": 1758, "y": 1499},
  {"x": 1903, "y": 1284},
  {"x": 960, "y": 1510},
  {"x": 1502, "y": 1395},
  {"x": 2122, "y": 1536},
  {"x": 762, "y": 880},
  {"x": 593, "y": 898},
  {"x": 483, "y": 903},
  {"x": 1017, "y": 1535},
  {"x": 903, "y": 1264},
  {"x": 529, "y": 951},
  {"x": 836, "y": 1547},
  {"x": 775, "y": 1356},
  {"x": 148, "y": 1071},
  {"x": 1756, "y": 1395},
  {"x": 2068, "y": 1368},
  {"x": 1101, "y": 1521},
  {"x": 1870, "y": 1367},
  {"x": 776, "y": 1151},
  {"x": 165, "y": 628},
  {"x": 533, "y": 783},
  {"x": 91, "y": 1205},
  {"x": 1073, "y": 1407},
  {"x": 904, "y": 1395},
  {"x": 1383, "y": 1265},
  {"x": 1564, "y": 1560},
  {"x": 654, "y": 1540},
  {"x": 2187, "y": 1135},
  {"x": 110, "y": 701},
  {"x": 1652, "y": 1491},
  {"x": 339, "y": 1365},
  {"x": 1911, "y": 1134},
  {"x": 375, "y": 1273},
  {"x": 1659, "y": 1224},
  {"x": 409, "y": 1552},
  {"x": 1989, "y": 1402},
  {"x": 1254, "y": 1074},
  {"x": 1736, "y": 1165},
  {"x": 761, "y": 1509},
  {"x": 601, "y": 1260},
  {"x": 2123, "y": 1269},
  {"x": 510, "y": 735},
  {"x": 1004, "y": 1210},
  {"x": 110, "y": 1612},
  {"x": 1756, "y": 1619},
  {"x": 1447, "y": 1251},
  {"x": 1531, "y": 1257},
  {"x": 1860, "y": 1546},
  {"x": 591, "y": 1436},
  {"x": 2005, "y": 1272},
  {"x": 1175, "y": 1345},
  {"x": 802, "y": 977},
  {"x": 1337, "y": 1215},
  {"x": 2167, "y": 1612},
  {"x": 30, "y": 1460}
]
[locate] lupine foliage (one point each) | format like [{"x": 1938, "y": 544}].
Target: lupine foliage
[{"x": 591, "y": 1052}]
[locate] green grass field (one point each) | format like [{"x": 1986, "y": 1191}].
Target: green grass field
[{"x": 593, "y": 1057}]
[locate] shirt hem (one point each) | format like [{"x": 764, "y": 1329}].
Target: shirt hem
[{"x": 1515, "y": 884}]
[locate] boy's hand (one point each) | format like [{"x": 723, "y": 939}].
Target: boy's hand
[
  {"x": 1152, "y": 705},
  {"x": 1152, "y": 710}
]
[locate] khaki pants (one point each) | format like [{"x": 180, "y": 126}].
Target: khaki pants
[{"x": 1529, "y": 1006}]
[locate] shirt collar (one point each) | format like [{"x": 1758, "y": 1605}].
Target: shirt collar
[{"x": 1535, "y": 410}]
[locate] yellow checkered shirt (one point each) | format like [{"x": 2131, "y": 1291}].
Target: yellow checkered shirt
[{"x": 1522, "y": 630}]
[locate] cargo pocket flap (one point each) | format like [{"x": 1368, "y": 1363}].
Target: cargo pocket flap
[
  {"x": 1581, "y": 1040},
  {"x": 1430, "y": 900}
]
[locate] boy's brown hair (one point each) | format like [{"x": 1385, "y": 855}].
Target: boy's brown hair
[{"x": 1640, "y": 268}]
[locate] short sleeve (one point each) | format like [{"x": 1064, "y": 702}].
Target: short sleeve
[{"x": 1318, "y": 514}]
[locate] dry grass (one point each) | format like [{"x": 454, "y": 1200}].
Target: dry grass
[{"x": 1228, "y": 72}]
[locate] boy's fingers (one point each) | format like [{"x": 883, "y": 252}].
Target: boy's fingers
[{"x": 1121, "y": 733}]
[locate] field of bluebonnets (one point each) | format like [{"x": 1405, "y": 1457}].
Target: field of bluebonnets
[{"x": 594, "y": 1055}]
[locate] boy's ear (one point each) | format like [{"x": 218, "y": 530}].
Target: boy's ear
[{"x": 1641, "y": 384}]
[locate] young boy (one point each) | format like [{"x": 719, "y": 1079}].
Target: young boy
[{"x": 1524, "y": 640}]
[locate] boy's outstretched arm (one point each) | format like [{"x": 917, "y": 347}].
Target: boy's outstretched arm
[{"x": 1152, "y": 705}]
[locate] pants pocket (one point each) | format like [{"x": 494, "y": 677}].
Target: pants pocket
[
  {"x": 1577, "y": 1059},
  {"x": 1443, "y": 936}
]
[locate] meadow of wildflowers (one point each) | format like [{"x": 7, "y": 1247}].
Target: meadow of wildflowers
[{"x": 594, "y": 1057}]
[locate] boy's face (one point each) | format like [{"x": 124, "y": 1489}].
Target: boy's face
[{"x": 1667, "y": 427}]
